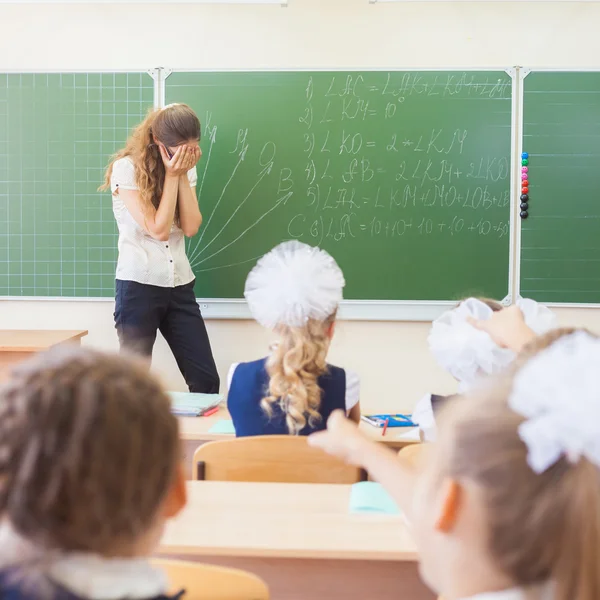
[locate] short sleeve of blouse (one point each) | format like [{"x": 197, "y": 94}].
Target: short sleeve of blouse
[
  {"x": 193, "y": 177},
  {"x": 231, "y": 374},
  {"x": 123, "y": 175},
  {"x": 352, "y": 390}
]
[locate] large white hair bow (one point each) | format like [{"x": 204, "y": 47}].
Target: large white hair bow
[
  {"x": 558, "y": 393},
  {"x": 468, "y": 353},
  {"x": 292, "y": 284}
]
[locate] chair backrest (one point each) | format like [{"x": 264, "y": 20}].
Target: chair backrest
[
  {"x": 273, "y": 459},
  {"x": 206, "y": 582},
  {"x": 414, "y": 455}
]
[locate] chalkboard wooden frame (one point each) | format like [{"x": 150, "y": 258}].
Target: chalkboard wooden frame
[
  {"x": 522, "y": 73},
  {"x": 369, "y": 310},
  {"x": 282, "y": 3}
]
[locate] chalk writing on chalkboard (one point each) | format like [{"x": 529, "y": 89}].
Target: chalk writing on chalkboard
[{"x": 364, "y": 164}]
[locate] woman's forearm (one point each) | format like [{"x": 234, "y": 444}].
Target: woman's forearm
[
  {"x": 190, "y": 217},
  {"x": 165, "y": 213}
]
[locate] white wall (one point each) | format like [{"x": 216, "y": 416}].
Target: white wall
[{"x": 391, "y": 357}]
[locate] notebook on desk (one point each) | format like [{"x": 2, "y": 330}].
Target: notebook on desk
[
  {"x": 223, "y": 427},
  {"x": 368, "y": 497},
  {"x": 393, "y": 420},
  {"x": 186, "y": 404}
]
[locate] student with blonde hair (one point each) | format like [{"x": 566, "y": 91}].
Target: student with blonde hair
[
  {"x": 153, "y": 185},
  {"x": 507, "y": 506},
  {"x": 294, "y": 290},
  {"x": 90, "y": 471}
]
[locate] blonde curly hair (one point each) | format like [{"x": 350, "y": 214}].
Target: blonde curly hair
[{"x": 294, "y": 367}]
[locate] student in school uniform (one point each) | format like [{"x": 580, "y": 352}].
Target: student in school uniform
[
  {"x": 294, "y": 290},
  {"x": 153, "y": 185},
  {"x": 90, "y": 466},
  {"x": 468, "y": 353},
  {"x": 506, "y": 505}
]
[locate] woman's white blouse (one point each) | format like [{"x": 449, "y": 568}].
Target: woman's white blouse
[
  {"x": 142, "y": 258},
  {"x": 352, "y": 386}
]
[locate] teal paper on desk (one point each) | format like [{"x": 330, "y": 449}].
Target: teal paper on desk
[
  {"x": 224, "y": 426},
  {"x": 188, "y": 404},
  {"x": 368, "y": 497},
  {"x": 189, "y": 400}
]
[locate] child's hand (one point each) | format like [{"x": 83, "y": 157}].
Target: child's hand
[
  {"x": 507, "y": 328},
  {"x": 341, "y": 439}
]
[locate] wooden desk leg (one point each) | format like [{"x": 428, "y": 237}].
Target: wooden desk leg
[{"x": 300, "y": 579}]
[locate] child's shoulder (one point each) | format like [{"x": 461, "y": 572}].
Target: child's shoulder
[{"x": 244, "y": 369}]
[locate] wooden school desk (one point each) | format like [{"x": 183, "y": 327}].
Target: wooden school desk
[
  {"x": 300, "y": 539},
  {"x": 17, "y": 346},
  {"x": 194, "y": 432}
]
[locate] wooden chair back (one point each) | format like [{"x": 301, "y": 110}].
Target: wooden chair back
[
  {"x": 414, "y": 455},
  {"x": 207, "y": 582},
  {"x": 272, "y": 459}
]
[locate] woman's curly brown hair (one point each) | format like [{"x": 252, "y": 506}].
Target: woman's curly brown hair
[{"x": 173, "y": 125}]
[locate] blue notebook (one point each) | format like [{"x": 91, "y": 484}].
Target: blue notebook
[
  {"x": 186, "y": 404},
  {"x": 396, "y": 420},
  {"x": 368, "y": 497}
]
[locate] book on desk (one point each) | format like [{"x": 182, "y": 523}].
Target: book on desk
[{"x": 185, "y": 404}]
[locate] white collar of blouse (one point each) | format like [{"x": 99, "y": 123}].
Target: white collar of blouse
[
  {"x": 542, "y": 592},
  {"x": 88, "y": 576},
  {"x": 96, "y": 578}
]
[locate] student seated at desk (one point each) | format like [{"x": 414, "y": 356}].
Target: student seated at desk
[
  {"x": 294, "y": 290},
  {"x": 90, "y": 471},
  {"x": 468, "y": 352},
  {"x": 507, "y": 506}
]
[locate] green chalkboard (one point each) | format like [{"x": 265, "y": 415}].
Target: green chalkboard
[
  {"x": 57, "y": 233},
  {"x": 560, "y": 240},
  {"x": 404, "y": 177}
]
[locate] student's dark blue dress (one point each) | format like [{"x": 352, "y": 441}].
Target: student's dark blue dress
[{"x": 250, "y": 385}]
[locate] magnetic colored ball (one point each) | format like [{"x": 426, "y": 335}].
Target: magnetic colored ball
[
  {"x": 524, "y": 162},
  {"x": 525, "y": 189},
  {"x": 525, "y": 155},
  {"x": 524, "y": 214},
  {"x": 524, "y": 198},
  {"x": 524, "y": 206}
]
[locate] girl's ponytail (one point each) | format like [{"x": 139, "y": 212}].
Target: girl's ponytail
[{"x": 294, "y": 368}]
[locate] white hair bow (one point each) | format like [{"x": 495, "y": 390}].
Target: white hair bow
[
  {"x": 468, "y": 353},
  {"x": 558, "y": 393},
  {"x": 292, "y": 284}
]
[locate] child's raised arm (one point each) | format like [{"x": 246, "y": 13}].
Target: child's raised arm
[
  {"x": 507, "y": 328},
  {"x": 343, "y": 439}
]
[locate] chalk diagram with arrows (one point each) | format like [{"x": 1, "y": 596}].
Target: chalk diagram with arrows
[{"x": 230, "y": 217}]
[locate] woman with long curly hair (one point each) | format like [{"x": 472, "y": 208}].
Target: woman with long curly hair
[{"x": 153, "y": 185}]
